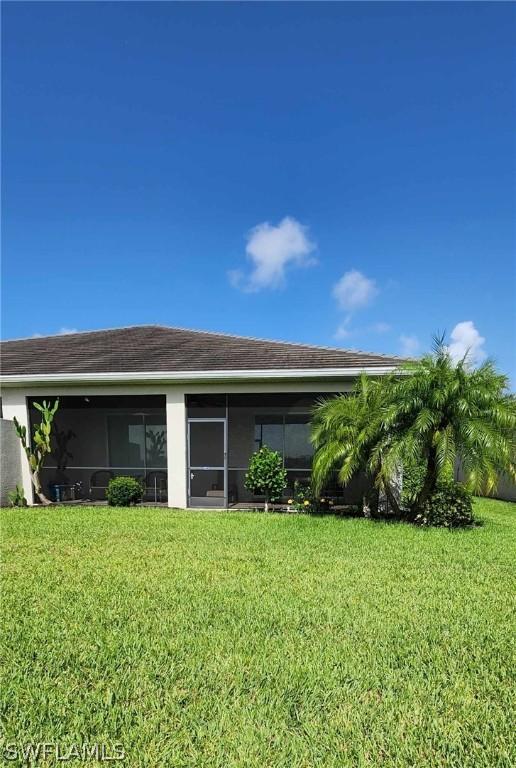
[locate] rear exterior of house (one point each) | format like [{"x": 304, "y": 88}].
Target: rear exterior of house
[{"x": 181, "y": 410}]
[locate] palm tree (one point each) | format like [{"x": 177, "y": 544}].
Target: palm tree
[
  {"x": 348, "y": 435},
  {"x": 431, "y": 413}
]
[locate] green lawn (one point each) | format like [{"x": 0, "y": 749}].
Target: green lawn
[{"x": 240, "y": 639}]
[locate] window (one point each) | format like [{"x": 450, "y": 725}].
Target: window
[
  {"x": 289, "y": 435},
  {"x": 298, "y": 448},
  {"x": 155, "y": 441},
  {"x": 126, "y": 437},
  {"x": 268, "y": 430}
]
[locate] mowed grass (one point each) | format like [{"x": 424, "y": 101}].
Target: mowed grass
[{"x": 241, "y": 639}]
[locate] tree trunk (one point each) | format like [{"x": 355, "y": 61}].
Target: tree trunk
[
  {"x": 391, "y": 498},
  {"x": 429, "y": 484},
  {"x": 37, "y": 487},
  {"x": 266, "y": 505}
]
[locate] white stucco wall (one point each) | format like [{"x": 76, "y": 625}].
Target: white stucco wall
[
  {"x": 176, "y": 448},
  {"x": 10, "y": 460},
  {"x": 14, "y": 400},
  {"x": 14, "y": 404}
]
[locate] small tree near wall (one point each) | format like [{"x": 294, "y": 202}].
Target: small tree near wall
[
  {"x": 266, "y": 475},
  {"x": 40, "y": 443}
]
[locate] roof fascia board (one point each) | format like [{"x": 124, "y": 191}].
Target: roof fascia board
[{"x": 190, "y": 377}]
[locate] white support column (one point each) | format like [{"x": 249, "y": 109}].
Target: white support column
[
  {"x": 176, "y": 447},
  {"x": 14, "y": 403}
]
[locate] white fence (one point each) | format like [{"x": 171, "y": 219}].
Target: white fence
[{"x": 506, "y": 488}]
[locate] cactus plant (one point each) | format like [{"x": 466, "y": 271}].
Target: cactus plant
[{"x": 40, "y": 443}]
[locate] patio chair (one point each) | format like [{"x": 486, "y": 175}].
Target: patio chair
[
  {"x": 156, "y": 485},
  {"x": 99, "y": 481}
]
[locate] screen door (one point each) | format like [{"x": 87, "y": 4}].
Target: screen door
[{"x": 207, "y": 469}]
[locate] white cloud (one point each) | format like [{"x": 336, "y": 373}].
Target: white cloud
[
  {"x": 271, "y": 249},
  {"x": 466, "y": 340},
  {"x": 61, "y": 332},
  {"x": 409, "y": 345},
  {"x": 344, "y": 331},
  {"x": 354, "y": 290}
]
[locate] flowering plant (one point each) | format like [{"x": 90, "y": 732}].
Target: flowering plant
[{"x": 304, "y": 499}]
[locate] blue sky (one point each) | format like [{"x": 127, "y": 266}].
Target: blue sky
[{"x": 341, "y": 174}]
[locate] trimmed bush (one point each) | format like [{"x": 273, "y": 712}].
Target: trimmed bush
[
  {"x": 450, "y": 506},
  {"x": 266, "y": 475},
  {"x": 124, "y": 491}
]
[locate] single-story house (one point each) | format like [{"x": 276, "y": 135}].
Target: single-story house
[{"x": 183, "y": 410}]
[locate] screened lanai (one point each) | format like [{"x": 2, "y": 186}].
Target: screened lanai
[
  {"x": 98, "y": 437},
  {"x": 225, "y": 430},
  {"x": 95, "y": 438}
]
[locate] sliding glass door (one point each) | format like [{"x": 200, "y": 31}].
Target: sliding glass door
[{"x": 137, "y": 441}]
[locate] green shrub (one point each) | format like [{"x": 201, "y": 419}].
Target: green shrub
[
  {"x": 17, "y": 497},
  {"x": 124, "y": 491},
  {"x": 266, "y": 475},
  {"x": 450, "y": 506}
]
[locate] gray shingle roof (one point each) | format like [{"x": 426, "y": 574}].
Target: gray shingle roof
[{"x": 155, "y": 348}]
